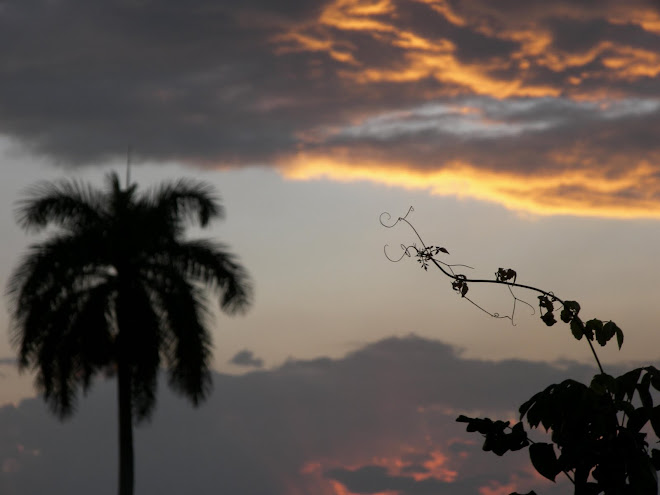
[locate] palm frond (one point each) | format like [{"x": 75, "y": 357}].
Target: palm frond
[
  {"x": 211, "y": 264},
  {"x": 185, "y": 200},
  {"x": 68, "y": 204},
  {"x": 54, "y": 347},
  {"x": 140, "y": 341},
  {"x": 61, "y": 264},
  {"x": 92, "y": 328},
  {"x": 67, "y": 343},
  {"x": 187, "y": 342},
  {"x": 62, "y": 395}
]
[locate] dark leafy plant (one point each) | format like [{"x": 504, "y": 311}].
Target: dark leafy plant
[
  {"x": 599, "y": 432},
  {"x": 116, "y": 288}
]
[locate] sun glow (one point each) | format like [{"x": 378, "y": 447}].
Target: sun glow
[
  {"x": 580, "y": 178},
  {"x": 577, "y": 192}
]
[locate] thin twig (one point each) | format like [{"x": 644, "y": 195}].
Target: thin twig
[{"x": 426, "y": 255}]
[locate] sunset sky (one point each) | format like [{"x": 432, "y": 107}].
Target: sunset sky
[{"x": 524, "y": 134}]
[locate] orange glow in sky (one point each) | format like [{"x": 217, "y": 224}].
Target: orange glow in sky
[
  {"x": 596, "y": 194},
  {"x": 424, "y": 57},
  {"x": 436, "y": 58},
  {"x": 497, "y": 489},
  {"x": 578, "y": 180},
  {"x": 434, "y": 467}
]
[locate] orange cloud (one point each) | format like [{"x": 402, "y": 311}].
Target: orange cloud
[
  {"x": 433, "y": 466},
  {"x": 444, "y": 66},
  {"x": 444, "y": 9},
  {"x": 339, "y": 488},
  {"x": 630, "y": 63},
  {"x": 356, "y": 15},
  {"x": 503, "y": 75},
  {"x": 576, "y": 191},
  {"x": 424, "y": 58},
  {"x": 584, "y": 175},
  {"x": 495, "y": 488},
  {"x": 648, "y": 18},
  {"x": 436, "y": 468}
]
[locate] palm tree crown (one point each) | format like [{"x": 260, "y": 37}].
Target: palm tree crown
[{"x": 118, "y": 287}]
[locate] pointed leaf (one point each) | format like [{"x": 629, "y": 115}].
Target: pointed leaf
[
  {"x": 605, "y": 334},
  {"x": 642, "y": 475},
  {"x": 594, "y": 326},
  {"x": 549, "y": 319},
  {"x": 602, "y": 383},
  {"x": 637, "y": 419},
  {"x": 544, "y": 460},
  {"x": 619, "y": 335},
  {"x": 655, "y": 376},
  {"x": 570, "y": 311},
  {"x": 655, "y": 459},
  {"x": 546, "y": 303},
  {"x": 627, "y": 384},
  {"x": 517, "y": 439},
  {"x": 577, "y": 328},
  {"x": 655, "y": 420},
  {"x": 644, "y": 392}
]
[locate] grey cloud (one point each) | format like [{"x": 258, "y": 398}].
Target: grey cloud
[
  {"x": 520, "y": 135},
  {"x": 575, "y": 35},
  {"x": 78, "y": 81},
  {"x": 472, "y": 46},
  {"x": 207, "y": 83},
  {"x": 547, "y": 117},
  {"x": 246, "y": 358},
  {"x": 270, "y": 432}
]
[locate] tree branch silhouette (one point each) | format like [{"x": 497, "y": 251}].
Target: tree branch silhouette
[
  {"x": 596, "y": 429},
  {"x": 426, "y": 256}
]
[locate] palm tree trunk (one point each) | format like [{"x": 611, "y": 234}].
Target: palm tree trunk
[{"x": 126, "y": 460}]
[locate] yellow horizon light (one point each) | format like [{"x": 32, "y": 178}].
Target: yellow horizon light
[{"x": 538, "y": 194}]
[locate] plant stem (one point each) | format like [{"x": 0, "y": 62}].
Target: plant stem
[{"x": 514, "y": 284}]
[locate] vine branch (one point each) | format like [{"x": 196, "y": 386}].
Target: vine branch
[{"x": 425, "y": 255}]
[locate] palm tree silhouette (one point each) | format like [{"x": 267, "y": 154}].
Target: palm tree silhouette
[{"x": 117, "y": 288}]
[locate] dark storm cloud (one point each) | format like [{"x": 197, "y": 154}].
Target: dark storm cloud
[
  {"x": 521, "y": 136},
  {"x": 80, "y": 81},
  {"x": 380, "y": 418},
  {"x": 255, "y": 82},
  {"x": 576, "y": 35},
  {"x": 246, "y": 358}
]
